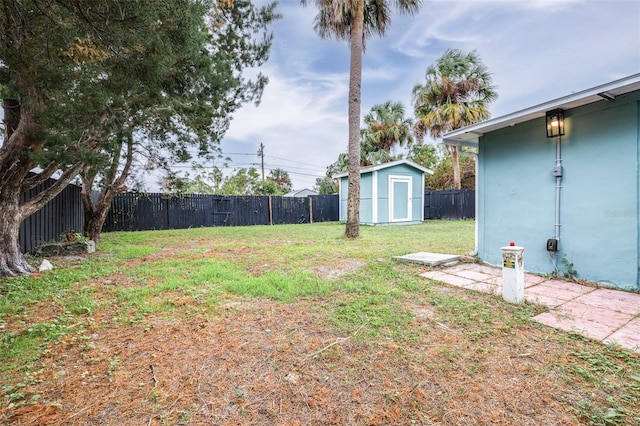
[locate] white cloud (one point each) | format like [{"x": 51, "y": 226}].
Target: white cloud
[
  {"x": 536, "y": 51},
  {"x": 301, "y": 119}
]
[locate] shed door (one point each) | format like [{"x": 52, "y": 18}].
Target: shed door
[{"x": 399, "y": 198}]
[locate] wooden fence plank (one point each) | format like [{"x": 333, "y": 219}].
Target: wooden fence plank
[
  {"x": 450, "y": 205},
  {"x": 59, "y": 216},
  {"x": 138, "y": 212}
]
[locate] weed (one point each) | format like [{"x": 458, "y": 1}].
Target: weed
[
  {"x": 609, "y": 369},
  {"x": 570, "y": 273},
  {"x": 378, "y": 314},
  {"x": 50, "y": 330},
  {"x": 597, "y": 415},
  {"x": 114, "y": 365},
  {"x": 17, "y": 395}
]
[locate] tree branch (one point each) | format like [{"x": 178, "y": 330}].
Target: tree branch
[
  {"x": 119, "y": 182},
  {"x": 29, "y": 207},
  {"x": 40, "y": 178}
]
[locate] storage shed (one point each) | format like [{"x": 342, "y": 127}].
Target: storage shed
[{"x": 390, "y": 193}]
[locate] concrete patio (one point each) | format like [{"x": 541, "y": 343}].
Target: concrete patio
[{"x": 610, "y": 316}]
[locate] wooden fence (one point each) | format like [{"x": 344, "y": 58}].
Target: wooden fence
[
  {"x": 139, "y": 212},
  {"x": 61, "y": 215},
  {"x": 450, "y": 205}
]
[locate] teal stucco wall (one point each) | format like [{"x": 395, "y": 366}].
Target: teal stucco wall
[{"x": 599, "y": 233}]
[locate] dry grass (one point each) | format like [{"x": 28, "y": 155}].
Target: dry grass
[{"x": 375, "y": 345}]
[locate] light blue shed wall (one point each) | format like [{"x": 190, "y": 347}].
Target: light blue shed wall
[
  {"x": 417, "y": 192},
  {"x": 366, "y": 198},
  {"x": 599, "y": 198},
  {"x": 344, "y": 195},
  {"x": 381, "y": 182}
]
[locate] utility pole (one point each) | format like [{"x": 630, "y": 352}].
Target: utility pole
[{"x": 261, "y": 155}]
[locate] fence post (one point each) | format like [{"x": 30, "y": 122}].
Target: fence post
[
  {"x": 310, "y": 210},
  {"x": 270, "y": 211}
]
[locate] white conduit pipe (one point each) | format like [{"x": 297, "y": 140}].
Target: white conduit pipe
[{"x": 558, "y": 186}]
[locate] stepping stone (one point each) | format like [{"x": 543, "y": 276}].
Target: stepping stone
[{"x": 429, "y": 259}]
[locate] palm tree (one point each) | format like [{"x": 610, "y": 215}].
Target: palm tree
[
  {"x": 387, "y": 127},
  {"x": 355, "y": 21},
  {"x": 456, "y": 93},
  {"x": 282, "y": 180},
  {"x": 341, "y": 165}
]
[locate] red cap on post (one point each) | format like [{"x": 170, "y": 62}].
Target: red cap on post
[{"x": 512, "y": 244}]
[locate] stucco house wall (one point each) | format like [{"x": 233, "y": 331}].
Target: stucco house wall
[{"x": 599, "y": 202}]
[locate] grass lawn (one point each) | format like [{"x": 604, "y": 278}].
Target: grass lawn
[{"x": 291, "y": 325}]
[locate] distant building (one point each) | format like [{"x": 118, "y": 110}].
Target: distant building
[{"x": 301, "y": 193}]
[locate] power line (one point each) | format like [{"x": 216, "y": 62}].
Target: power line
[
  {"x": 261, "y": 154},
  {"x": 298, "y": 162},
  {"x": 304, "y": 174},
  {"x": 280, "y": 166},
  {"x": 274, "y": 157},
  {"x": 235, "y": 153},
  {"x": 185, "y": 166}
]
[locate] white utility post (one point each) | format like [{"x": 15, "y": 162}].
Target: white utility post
[{"x": 513, "y": 273}]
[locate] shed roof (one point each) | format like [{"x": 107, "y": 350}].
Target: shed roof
[
  {"x": 468, "y": 136},
  {"x": 386, "y": 166}
]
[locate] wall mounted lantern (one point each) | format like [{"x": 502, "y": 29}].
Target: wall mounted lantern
[{"x": 555, "y": 123}]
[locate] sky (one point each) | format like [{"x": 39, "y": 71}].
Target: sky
[{"x": 536, "y": 51}]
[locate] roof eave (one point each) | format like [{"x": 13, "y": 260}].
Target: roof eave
[
  {"x": 387, "y": 165},
  {"x": 469, "y": 135}
]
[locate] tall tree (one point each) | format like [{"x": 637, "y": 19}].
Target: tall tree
[
  {"x": 456, "y": 93},
  {"x": 193, "y": 110},
  {"x": 424, "y": 154},
  {"x": 205, "y": 180},
  {"x": 442, "y": 177},
  {"x": 246, "y": 182},
  {"x": 282, "y": 180},
  {"x": 74, "y": 70},
  {"x": 341, "y": 165},
  {"x": 325, "y": 186},
  {"x": 355, "y": 21},
  {"x": 386, "y": 128}
]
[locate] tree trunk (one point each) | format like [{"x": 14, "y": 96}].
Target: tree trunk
[
  {"x": 93, "y": 224},
  {"x": 15, "y": 165},
  {"x": 13, "y": 171},
  {"x": 456, "y": 167},
  {"x": 12, "y": 261},
  {"x": 356, "y": 43},
  {"x": 95, "y": 213},
  {"x": 11, "y": 109}
]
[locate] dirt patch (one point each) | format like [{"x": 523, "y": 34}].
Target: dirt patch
[{"x": 338, "y": 270}]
